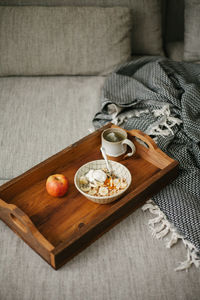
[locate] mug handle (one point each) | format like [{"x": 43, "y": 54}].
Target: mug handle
[{"x": 131, "y": 145}]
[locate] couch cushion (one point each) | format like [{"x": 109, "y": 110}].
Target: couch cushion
[
  {"x": 40, "y": 116},
  {"x": 146, "y": 31},
  {"x": 175, "y": 50},
  {"x": 192, "y": 30},
  {"x": 63, "y": 40}
]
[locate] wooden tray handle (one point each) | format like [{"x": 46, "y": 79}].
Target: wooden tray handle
[
  {"x": 21, "y": 223},
  {"x": 142, "y": 136}
]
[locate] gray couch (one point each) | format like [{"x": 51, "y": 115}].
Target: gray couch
[{"x": 41, "y": 115}]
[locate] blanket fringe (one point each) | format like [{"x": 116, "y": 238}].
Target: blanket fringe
[
  {"x": 118, "y": 117},
  {"x": 163, "y": 126},
  {"x": 161, "y": 227}
]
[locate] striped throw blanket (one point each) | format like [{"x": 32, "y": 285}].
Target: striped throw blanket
[{"x": 162, "y": 98}]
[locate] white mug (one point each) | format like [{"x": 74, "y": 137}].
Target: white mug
[{"x": 115, "y": 141}]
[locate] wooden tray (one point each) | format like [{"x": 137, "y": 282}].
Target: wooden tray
[{"x": 59, "y": 228}]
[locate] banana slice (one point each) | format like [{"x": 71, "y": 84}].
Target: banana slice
[
  {"x": 85, "y": 187},
  {"x": 83, "y": 180},
  {"x": 103, "y": 191},
  {"x": 92, "y": 192}
]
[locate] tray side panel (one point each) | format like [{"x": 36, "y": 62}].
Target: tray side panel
[{"x": 14, "y": 219}]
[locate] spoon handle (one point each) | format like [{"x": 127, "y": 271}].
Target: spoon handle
[{"x": 106, "y": 160}]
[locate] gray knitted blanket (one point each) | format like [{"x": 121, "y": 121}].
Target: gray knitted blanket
[{"x": 162, "y": 98}]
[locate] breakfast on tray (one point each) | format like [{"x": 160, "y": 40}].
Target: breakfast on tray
[{"x": 101, "y": 183}]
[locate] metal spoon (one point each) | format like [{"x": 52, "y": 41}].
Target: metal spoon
[{"x": 106, "y": 160}]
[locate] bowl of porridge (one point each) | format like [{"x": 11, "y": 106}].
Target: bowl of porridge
[{"x": 98, "y": 185}]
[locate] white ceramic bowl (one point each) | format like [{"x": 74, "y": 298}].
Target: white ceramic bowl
[{"x": 117, "y": 168}]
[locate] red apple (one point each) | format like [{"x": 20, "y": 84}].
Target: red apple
[{"x": 57, "y": 185}]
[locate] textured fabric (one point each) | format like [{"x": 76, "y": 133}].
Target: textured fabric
[
  {"x": 41, "y": 116},
  {"x": 175, "y": 50},
  {"x": 63, "y": 40},
  {"x": 146, "y": 19},
  {"x": 2, "y": 181},
  {"x": 192, "y": 30},
  {"x": 125, "y": 263},
  {"x": 156, "y": 84}
]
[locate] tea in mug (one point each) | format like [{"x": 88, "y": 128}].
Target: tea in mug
[{"x": 114, "y": 137}]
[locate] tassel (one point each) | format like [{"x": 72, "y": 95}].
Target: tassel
[
  {"x": 162, "y": 233},
  {"x": 173, "y": 240},
  {"x": 163, "y": 126},
  {"x": 185, "y": 265},
  {"x": 154, "y": 221}
]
